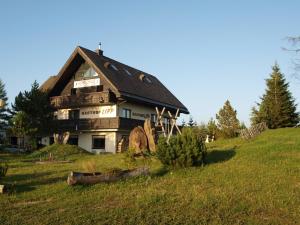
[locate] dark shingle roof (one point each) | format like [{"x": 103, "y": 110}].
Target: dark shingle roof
[
  {"x": 49, "y": 84},
  {"x": 132, "y": 85},
  {"x": 128, "y": 86}
]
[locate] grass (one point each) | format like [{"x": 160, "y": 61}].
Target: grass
[{"x": 244, "y": 182}]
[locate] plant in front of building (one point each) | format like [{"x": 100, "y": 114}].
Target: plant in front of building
[
  {"x": 3, "y": 169},
  {"x": 183, "y": 150},
  {"x": 39, "y": 113}
]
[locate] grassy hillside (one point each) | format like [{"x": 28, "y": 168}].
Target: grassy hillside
[{"x": 255, "y": 182}]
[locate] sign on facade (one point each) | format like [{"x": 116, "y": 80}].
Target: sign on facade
[
  {"x": 98, "y": 112},
  {"x": 87, "y": 83}
]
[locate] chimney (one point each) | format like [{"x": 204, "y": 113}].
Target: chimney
[{"x": 99, "y": 51}]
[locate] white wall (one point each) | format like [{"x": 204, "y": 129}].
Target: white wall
[
  {"x": 85, "y": 141},
  {"x": 138, "y": 112}
]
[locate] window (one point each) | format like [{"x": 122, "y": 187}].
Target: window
[
  {"x": 114, "y": 67},
  {"x": 89, "y": 73},
  {"x": 153, "y": 118},
  {"x": 148, "y": 80},
  {"x": 73, "y": 91},
  {"x": 74, "y": 114},
  {"x": 128, "y": 73},
  {"x": 73, "y": 140},
  {"x": 98, "y": 142},
  {"x": 126, "y": 113},
  {"x": 85, "y": 71}
]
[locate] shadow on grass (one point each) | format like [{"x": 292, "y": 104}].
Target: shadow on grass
[
  {"x": 18, "y": 183},
  {"x": 160, "y": 172},
  {"x": 217, "y": 156}
]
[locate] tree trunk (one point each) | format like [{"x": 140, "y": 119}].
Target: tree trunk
[{"x": 94, "y": 178}]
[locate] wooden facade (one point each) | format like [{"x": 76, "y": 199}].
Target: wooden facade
[{"x": 100, "y": 100}]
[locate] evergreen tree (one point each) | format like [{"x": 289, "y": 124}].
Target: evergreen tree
[
  {"x": 4, "y": 117},
  {"x": 212, "y": 127},
  {"x": 228, "y": 124},
  {"x": 191, "y": 122},
  {"x": 277, "y": 107},
  {"x": 39, "y": 113},
  {"x": 183, "y": 123}
]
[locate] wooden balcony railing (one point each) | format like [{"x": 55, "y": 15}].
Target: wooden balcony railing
[
  {"x": 96, "y": 124},
  {"x": 86, "y": 99}
]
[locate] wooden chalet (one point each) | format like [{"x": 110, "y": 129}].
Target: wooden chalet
[{"x": 100, "y": 100}]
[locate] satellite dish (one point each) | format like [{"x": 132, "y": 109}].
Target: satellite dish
[{"x": 2, "y": 103}]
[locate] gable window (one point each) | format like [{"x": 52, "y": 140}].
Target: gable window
[
  {"x": 98, "y": 142},
  {"x": 85, "y": 71},
  {"x": 126, "y": 113}
]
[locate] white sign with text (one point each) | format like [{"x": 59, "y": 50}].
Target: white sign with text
[{"x": 87, "y": 83}]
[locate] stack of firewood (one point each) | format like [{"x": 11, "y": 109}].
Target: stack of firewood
[{"x": 253, "y": 131}]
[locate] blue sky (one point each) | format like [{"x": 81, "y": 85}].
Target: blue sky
[{"x": 204, "y": 51}]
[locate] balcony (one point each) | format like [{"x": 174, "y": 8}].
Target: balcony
[
  {"x": 88, "y": 99},
  {"x": 96, "y": 124}
]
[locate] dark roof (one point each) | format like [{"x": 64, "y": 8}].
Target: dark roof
[
  {"x": 128, "y": 82},
  {"x": 49, "y": 84}
]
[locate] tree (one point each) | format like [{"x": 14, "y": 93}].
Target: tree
[
  {"x": 191, "y": 122},
  {"x": 212, "y": 128},
  {"x": 228, "y": 124},
  {"x": 277, "y": 107},
  {"x": 4, "y": 117},
  {"x": 295, "y": 49},
  {"x": 20, "y": 127},
  {"x": 36, "y": 106}
]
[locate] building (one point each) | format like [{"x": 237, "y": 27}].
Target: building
[{"x": 100, "y": 100}]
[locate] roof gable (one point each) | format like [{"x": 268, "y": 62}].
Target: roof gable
[{"x": 125, "y": 81}]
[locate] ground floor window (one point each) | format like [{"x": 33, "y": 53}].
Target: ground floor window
[
  {"x": 126, "y": 113},
  {"x": 98, "y": 142},
  {"x": 73, "y": 140}
]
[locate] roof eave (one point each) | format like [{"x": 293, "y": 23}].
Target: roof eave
[{"x": 183, "y": 110}]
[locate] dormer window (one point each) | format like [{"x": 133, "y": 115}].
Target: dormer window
[
  {"x": 114, "y": 67},
  {"x": 127, "y": 72}
]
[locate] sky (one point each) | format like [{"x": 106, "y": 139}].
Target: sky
[{"x": 205, "y": 52}]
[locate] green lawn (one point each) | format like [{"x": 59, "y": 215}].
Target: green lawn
[{"x": 255, "y": 182}]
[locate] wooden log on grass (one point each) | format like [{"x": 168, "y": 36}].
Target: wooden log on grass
[{"x": 114, "y": 175}]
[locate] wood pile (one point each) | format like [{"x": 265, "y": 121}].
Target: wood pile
[{"x": 253, "y": 131}]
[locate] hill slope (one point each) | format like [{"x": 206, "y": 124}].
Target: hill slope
[{"x": 255, "y": 182}]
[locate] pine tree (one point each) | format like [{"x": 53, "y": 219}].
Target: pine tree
[
  {"x": 191, "y": 122},
  {"x": 4, "y": 117},
  {"x": 277, "y": 107},
  {"x": 35, "y": 104},
  {"x": 228, "y": 123},
  {"x": 212, "y": 127}
]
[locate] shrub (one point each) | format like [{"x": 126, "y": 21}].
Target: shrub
[
  {"x": 3, "y": 170},
  {"x": 183, "y": 150}
]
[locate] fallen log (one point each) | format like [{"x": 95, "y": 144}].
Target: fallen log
[{"x": 93, "y": 178}]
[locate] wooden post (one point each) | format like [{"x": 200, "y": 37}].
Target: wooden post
[
  {"x": 173, "y": 124},
  {"x": 159, "y": 120}
]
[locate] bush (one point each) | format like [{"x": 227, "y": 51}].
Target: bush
[
  {"x": 3, "y": 170},
  {"x": 184, "y": 150}
]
